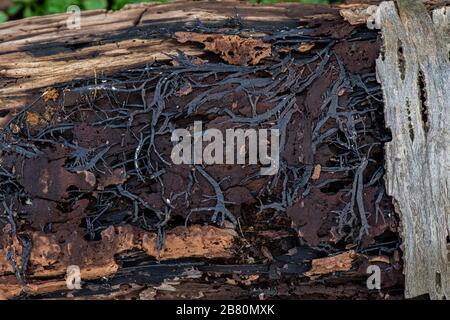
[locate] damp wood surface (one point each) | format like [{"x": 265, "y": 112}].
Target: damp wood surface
[
  {"x": 414, "y": 71},
  {"x": 39, "y": 52},
  {"x": 86, "y": 178}
]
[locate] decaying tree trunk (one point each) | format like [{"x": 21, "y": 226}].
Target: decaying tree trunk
[
  {"x": 86, "y": 178},
  {"x": 40, "y": 52}
]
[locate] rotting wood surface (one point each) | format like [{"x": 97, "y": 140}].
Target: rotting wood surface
[
  {"x": 414, "y": 71},
  {"x": 39, "y": 52}
]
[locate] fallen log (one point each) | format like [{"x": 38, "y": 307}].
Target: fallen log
[
  {"x": 37, "y": 53},
  {"x": 87, "y": 118}
]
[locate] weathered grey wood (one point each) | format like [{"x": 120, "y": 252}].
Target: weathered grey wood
[{"x": 415, "y": 75}]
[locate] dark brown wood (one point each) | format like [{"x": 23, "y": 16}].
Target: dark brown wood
[{"x": 271, "y": 252}]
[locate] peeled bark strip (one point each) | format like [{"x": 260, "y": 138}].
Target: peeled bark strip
[
  {"x": 340, "y": 262},
  {"x": 414, "y": 72}
]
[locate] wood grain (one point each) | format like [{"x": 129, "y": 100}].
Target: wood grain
[{"x": 41, "y": 52}]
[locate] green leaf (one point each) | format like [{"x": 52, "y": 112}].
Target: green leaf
[
  {"x": 119, "y": 4},
  {"x": 28, "y": 12},
  {"x": 58, "y": 6},
  {"x": 3, "y": 16},
  {"x": 316, "y": 1},
  {"x": 15, "y": 8},
  {"x": 95, "y": 4}
]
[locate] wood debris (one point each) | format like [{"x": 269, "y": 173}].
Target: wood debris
[
  {"x": 316, "y": 172},
  {"x": 338, "y": 263},
  {"x": 356, "y": 14},
  {"x": 233, "y": 49},
  {"x": 50, "y": 94}
]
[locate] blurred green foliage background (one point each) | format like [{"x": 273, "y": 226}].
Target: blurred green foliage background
[{"x": 16, "y": 9}]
